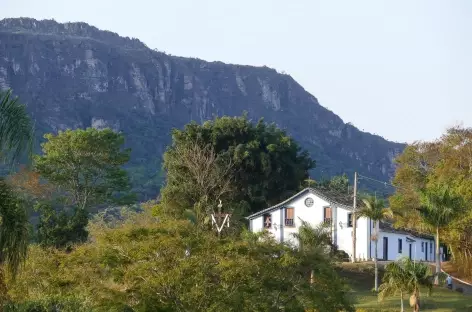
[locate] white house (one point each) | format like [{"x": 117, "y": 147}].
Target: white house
[{"x": 315, "y": 206}]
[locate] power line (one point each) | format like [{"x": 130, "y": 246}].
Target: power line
[
  {"x": 375, "y": 180},
  {"x": 378, "y": 181}
]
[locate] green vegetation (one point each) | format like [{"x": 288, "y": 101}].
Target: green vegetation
[
  {"x": 16, "y": 128},
  {"x": 434, "y": 193},
  {"x": 165, "y": 255},
  {"x": 407, "y": 277},
  {"x": 375, "y": 209},
  {"x": 143, "y": 264},
  {"x": 60, "y": 228},
  {"x": 162, "y": 257},
  {"x": 16, "y": 133},
  {"x": 360, "y": 275},
  {"x": 439, "y": 208},
  {"x": 261, "y": 163},
  {"x": 86, "y": 164}
]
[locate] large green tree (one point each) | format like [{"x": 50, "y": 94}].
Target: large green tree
[
  {"x": 262, "y": 162},
  {"x": 374, "y": 209},
  {"x": 422, "y": 167},
  {"x": 86, "y": 164}
]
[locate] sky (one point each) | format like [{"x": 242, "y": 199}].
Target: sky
[{"x": 401, "y": 69}]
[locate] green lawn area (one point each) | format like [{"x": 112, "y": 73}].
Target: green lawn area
[{"x": 360, "y": 277}]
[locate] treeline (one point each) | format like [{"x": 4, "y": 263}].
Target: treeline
[
  {"x": 434, "y": 193},
  {"x": 92, "y": 248}
]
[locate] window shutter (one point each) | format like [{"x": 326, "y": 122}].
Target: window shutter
[
  {"x": 289, "y": 213},
  {"x": 327, "y": 212}
]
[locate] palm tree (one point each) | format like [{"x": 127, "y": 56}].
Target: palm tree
[
  {"x": 394, "y": 281},
  {"x": 13, "y": 230},
  {"x": 375, "y": 210},
  {"x": 314, "y": 242},
  {"x": 16, "y": 128},
  {"x": 439, "y": 207},
  {"x": 407, "y": 276},
  {"x": 16, "y": 136}
]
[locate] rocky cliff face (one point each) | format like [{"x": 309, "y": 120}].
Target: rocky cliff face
[{"x": 74, "y": 75}]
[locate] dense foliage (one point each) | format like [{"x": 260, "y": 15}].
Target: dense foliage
[
  {"x": 16, "y": 134},
  {"x": 144, "y": 264},
  {"x": 16, "y": 128},
  {"x": 87, "y": 164},
  {"x": 261, "y": 163},
  {"x": 60, "y": 228},
  {"x": 434, "y": 190},
  {"x": 407, "y": 277}
]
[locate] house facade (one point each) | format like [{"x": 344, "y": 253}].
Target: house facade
[{"x": 315, "y": 207}]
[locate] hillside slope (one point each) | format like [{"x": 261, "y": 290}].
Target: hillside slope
[{"x": 74, "y": 75}]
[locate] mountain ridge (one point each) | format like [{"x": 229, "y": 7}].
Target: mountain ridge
[{"x": 75, "y": 75}]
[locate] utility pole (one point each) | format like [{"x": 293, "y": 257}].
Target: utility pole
[{"x": 354, "y": 219}]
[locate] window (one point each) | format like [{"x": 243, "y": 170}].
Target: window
[
  {"x": 289, "y": 220},
  {"x": 422, "y": 246},
  {"x": 327, "y": 214},
  {"x": 267, "y": 219},
  {"x": 400, "y": 247},
  {"x": 430, "y": 248},
  {"x": 349, "y": 220}
]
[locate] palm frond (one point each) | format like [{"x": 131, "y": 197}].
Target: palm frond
[
  {"x": 374, "y": 209},
  {"x": 439, "y": 206},
  {"x": 16, "y": 128},
  {"x": 14, "y": 230}
]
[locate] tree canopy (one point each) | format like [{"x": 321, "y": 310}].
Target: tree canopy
[
  {"x": 423, "y": 170},
  {"x": 86, "y": 164},
  {"x": 264, "y": 164},
  {"x": 147, "y": 264}
]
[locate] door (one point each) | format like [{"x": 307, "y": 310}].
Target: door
[
  {"x": 426, "y": 252},
  {"x": 385, "y": 248},
  {"x": 410, "y": 252}
]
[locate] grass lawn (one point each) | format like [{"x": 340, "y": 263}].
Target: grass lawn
[{"x": 360, "y": 276}]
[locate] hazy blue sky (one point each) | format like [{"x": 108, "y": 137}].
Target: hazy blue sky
[{"x": 400, "y": 68}]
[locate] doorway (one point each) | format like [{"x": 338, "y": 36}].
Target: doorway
[
  {"x": 410, "y": 247},
  {"x": 426, "y": 252},
  {"x": 385, "y": 248}
]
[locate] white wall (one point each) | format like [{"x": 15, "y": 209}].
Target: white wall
[
  {"x": 342, "y": 235},
  {"x": 393, "y": 254}
]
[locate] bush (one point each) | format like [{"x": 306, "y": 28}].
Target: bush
[{"x": 47, "y": 305}]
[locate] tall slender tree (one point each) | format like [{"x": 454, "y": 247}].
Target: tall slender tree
[
  {"x": 438, "y": 208},
  {"x": 374, "y": 209},
  {"x": 16, "y": 135},
  {"x": 16, "y": 128}
]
